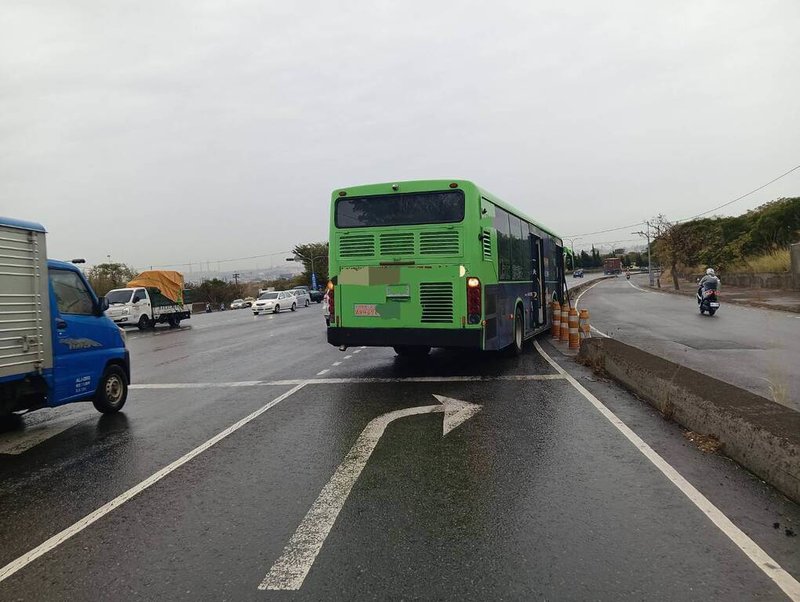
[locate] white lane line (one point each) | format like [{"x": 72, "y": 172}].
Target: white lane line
[
  {"x": 584, "y": 291},
  {"x": 638, "y": 288},
  {"x": 347, "y": 357},
  {"x": 363, "y": 346},
  {"x": 321, "y": 372},
  {"x": 357, "y": 351},
  {"x": 354, "y": 380},
  {"x": 336, "y": 364},
  {"x": 577, "y": 300},
  {"x": 59, "y": 538},
  {"x": 751, "y": 549}
]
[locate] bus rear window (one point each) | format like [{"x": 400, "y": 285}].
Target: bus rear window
[{"x": 400, "y": 209}]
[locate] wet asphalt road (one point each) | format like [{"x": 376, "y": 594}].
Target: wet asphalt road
[
  {"x": 537, "y": 495},
  {"x": 752, "y": 348}
]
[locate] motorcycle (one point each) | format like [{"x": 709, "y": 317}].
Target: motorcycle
[
  {"x": 208, "y": 308},
  {"x": 707, "y": 298}
]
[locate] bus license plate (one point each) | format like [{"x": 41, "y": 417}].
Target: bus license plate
[{"x": 366, "y": 309}]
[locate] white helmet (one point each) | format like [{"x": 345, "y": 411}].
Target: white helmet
[{"x": 710, "y": 271}]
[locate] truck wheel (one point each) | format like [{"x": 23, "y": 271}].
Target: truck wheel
[
  {"x": 294, "y": 306},
  {"x": 177, "y": 322},
  {"x": 144, "y": 323},
  {"x": 112, "y": 391}
]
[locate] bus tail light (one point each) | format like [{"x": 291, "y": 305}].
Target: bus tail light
[
  {"x": 331, "y": 301},
  {"x": 474, "y": 301}
]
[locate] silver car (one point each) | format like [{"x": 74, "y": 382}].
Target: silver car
[
  {"x": 303, "y": 298},
  {"x": 275, "y": 302}
]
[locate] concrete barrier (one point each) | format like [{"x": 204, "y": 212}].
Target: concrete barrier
[{"x": 761, "y": 435}]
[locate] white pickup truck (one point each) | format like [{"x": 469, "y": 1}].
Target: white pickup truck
[{"x": 144, "y": 308}]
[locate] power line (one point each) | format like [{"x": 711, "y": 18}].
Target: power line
[
  {"x": 210, "y": 261},
  {"x": 739, "y": 198},
  {"x": 795, "y": 168}
]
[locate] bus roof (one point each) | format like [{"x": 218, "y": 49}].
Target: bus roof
[{"x": 427, "y": 185}]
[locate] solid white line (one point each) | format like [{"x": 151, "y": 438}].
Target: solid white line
[
  {"x": 290, "y": 570},
  {"x": 87, "y": 520},
  {"x": 321, "y": 372},
  {"x": 638, "y": 288},
  {"x": 577, "y": 300},
  {"x": 757, "y": 555},
  {"x": 584, "y": 291},
  {"x": 354, "y": 380}
]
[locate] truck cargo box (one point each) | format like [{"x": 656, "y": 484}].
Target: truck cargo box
[{"x": 25, "y": 339}]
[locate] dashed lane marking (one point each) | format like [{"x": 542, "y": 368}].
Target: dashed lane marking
[
  {"x": 343, "y": 381},
  {"x": 357, "y": 351},
  {"x": 757, "y": 555},
  {"x": 347, "y": 357},
  {"x": 321, "y": 372},
  {"x": 61, "y": 537},
  {"x": 336, "y": 364}
]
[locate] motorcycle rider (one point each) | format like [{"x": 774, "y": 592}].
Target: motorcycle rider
[{"x": 709, "y": 277}]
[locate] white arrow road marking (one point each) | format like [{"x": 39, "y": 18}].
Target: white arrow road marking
[
  {"x": 752, "y": 550},
  {"x": 290, "y": 570}
]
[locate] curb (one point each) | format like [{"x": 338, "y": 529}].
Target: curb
[
  {"x": 761, "y": 435},
  {"x": 584, "y": 285}
]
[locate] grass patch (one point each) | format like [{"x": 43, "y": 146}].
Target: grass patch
[{"x": 774, "y": 261}]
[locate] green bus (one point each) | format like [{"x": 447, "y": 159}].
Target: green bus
[{"x": 438, "y": 263}]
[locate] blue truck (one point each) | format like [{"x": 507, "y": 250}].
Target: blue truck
[{"x": 57, "y": 346}]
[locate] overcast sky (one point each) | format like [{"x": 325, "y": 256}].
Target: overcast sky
[{"x": 168, "y": 132}]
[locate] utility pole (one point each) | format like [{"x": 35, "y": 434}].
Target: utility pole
[
  {"x": 649, "y": 264},
  {"x": 236, "y": 278}
]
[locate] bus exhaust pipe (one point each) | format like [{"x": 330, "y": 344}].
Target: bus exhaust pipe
[{"x": 342, "y": 347}]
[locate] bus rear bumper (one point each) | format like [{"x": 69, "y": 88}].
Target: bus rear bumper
[{"x": 389, "y": 337}]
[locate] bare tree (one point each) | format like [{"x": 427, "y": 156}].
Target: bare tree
[{"x": 674, "y": 245}]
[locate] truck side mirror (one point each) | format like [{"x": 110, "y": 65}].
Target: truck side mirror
[{"x": 102, "y": 305}]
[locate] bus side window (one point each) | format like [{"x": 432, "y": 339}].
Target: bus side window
[{"x": 503, "y": 244}]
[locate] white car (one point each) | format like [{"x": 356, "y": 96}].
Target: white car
[
  {"x": 238, "y": 304},
  {"x": 275, "y": 301},
  {"x": 303, "y": 298}
]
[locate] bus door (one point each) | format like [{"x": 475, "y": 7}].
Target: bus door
[{"x": 537, "y": 317}]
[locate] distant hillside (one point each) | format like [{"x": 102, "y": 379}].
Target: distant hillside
[{"x": 722, "y": 242}]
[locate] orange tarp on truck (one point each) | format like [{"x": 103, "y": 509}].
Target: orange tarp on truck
[{"x": 169, "y": 283}]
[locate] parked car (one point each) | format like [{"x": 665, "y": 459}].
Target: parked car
[
  {"x": 303, "y": 298},
  {"x": 248, "y": 301},
  {"x": 577, "y": 274},
  {"x": 238, "y": 304},
  {"x": 274, "y": 301},
  {"x": 315, "y": 295}
]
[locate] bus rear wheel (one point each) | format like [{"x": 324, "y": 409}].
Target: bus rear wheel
[
  {"x": 517, "y": 344},
  {"x": 412, "y": 351}
]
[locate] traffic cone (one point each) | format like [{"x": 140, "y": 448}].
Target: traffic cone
[
  {"x": 574, "y": 337},
  {"x": 564, "y": 333},
  {"x": 556, "y": 330},
  {"x": 585, "y": 329}
]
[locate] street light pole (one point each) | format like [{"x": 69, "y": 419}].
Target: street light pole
[{"x": 298, "y": 257}]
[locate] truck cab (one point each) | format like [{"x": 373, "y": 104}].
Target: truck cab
[
  {"x": 58, "y": 345},
  {"x": 130, "y": 306}
]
